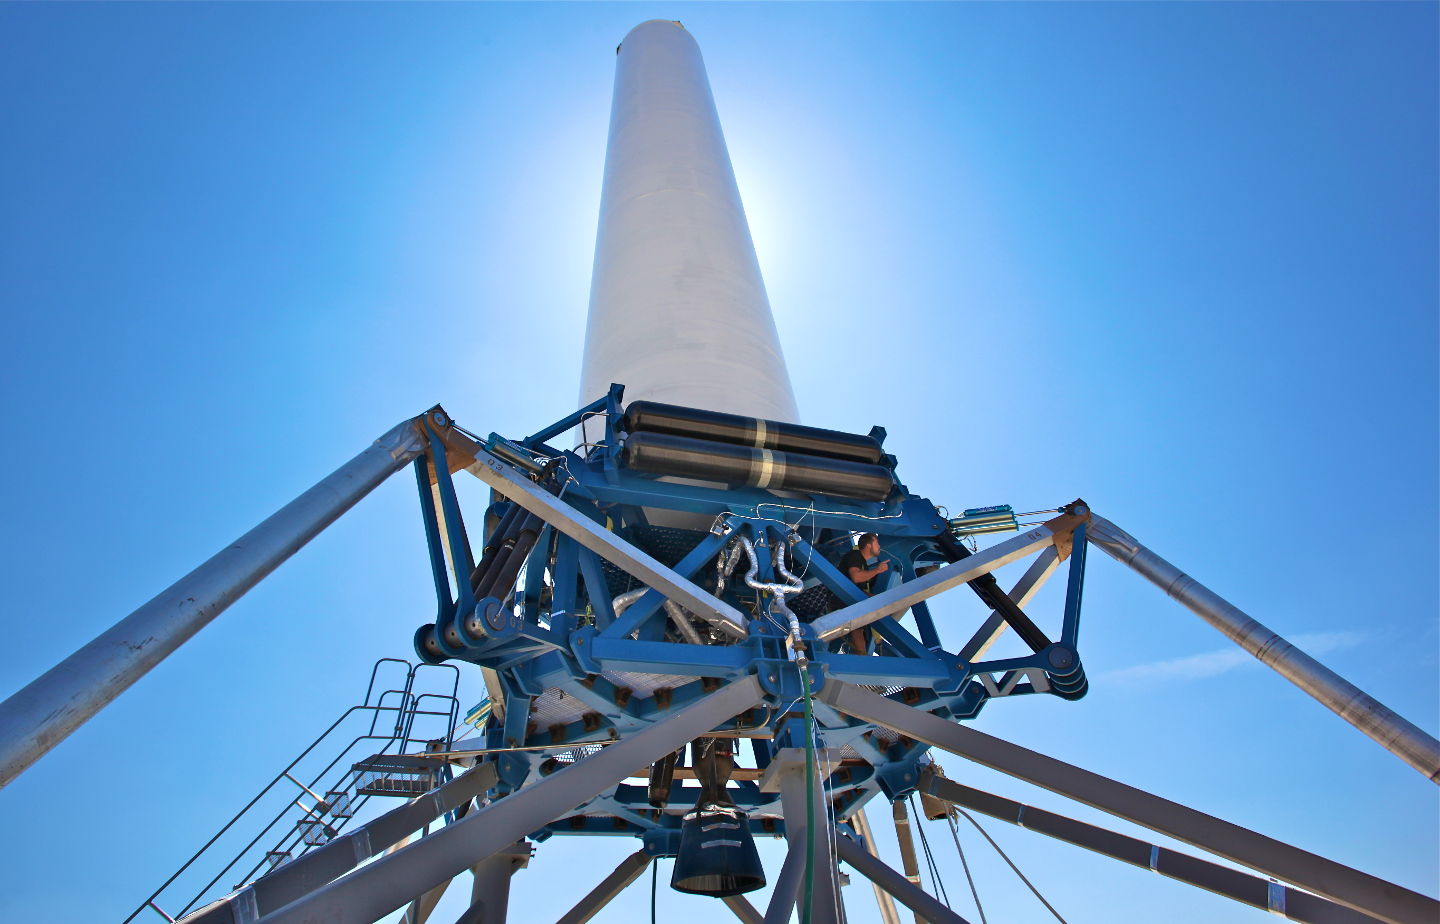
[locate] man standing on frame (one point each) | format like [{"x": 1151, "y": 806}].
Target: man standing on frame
[{"x": 854, "y": 565}]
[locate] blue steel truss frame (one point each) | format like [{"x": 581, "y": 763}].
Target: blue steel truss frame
[{"x": 557, "y": 632}]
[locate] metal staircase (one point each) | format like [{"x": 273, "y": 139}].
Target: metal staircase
[{"x": 368, "y": 751}]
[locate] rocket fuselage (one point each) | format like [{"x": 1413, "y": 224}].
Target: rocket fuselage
[{"x": 678, "y": 311}]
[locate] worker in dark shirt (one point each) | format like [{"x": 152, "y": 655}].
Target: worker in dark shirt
[{"x": 854, "y": 564}]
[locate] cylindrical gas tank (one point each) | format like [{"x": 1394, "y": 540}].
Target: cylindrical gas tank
[
  {"x": 654, "y": 417},
  {"x": 686, "y": 457}
]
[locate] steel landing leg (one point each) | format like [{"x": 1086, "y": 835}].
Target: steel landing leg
[
  {"x": 1393, "y": 732},
  {"x": 45, "y": 712}
]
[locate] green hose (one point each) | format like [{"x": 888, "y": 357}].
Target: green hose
[{"x": 805, "y": 906}]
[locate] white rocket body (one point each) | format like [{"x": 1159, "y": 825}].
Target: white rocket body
[{"x": 678, "y": 311}]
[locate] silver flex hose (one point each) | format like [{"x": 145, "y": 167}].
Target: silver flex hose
[
  {"x": 676, "y": 612},
  {"x": 792, "y": 585}
]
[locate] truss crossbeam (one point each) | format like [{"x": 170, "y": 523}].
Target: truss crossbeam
[
  {"x": 1360, "y": 891},
  {"x": 1222, "y": 880}
]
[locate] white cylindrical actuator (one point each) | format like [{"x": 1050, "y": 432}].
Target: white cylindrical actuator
[{"x": 678, "y": 311}]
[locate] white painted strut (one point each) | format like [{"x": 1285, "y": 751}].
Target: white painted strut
[{"x": 678, "y": 311}]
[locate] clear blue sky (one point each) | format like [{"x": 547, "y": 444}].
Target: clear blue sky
[{"x": 1178, "y": 259}]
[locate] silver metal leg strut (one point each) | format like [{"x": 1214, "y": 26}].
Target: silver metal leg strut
[
  {"x": 490, "y": 893},
  {"x": 43, "y": 714},
  {"x": 787, "y": 884},
  {"x": 743, "y": 909},
  {"x": 612, "y": 885},
  {"x": 1393, "y": 732},
  {"x": 924, "y": 905},
  {"x": 421, "y": 908},
  {"x": 888, "y": 914},
  {"x": 386, "y": 884},
  {"x": 1350, "y": 887}
]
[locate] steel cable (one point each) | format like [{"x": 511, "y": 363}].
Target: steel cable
[
  {"x": 935, "y": 881},
  {"x": 1007, "y": 859},
  {"x": 955, "y": 833}
]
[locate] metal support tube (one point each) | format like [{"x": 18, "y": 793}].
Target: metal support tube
[
  {"x": 386, "y": 884},
  {"x": 792, "y": 874},
  {"x": 1361, "y": 891},
  {"x": 612, "y": 885},
  {"x": 43, "y": 714},
  {"x": 1394, "y": 733},
  {"x": 421, "y": 908},
  {"x": 902, "y": 596},
  {"x": 888, "y": 914},
  {"x": 1222, "y": 880},
  {"x": 682, "y": 623},
  {"x": 925, "y": 906}
]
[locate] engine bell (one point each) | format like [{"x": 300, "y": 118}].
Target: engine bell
[{"x": 717, "y": 854}]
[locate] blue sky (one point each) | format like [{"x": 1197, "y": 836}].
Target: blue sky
[{"x": 1179, "y": 259}]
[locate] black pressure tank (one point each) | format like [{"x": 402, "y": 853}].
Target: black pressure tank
[
  {"x": 653, "y": 417},
  {"x": 683, "y": 456}
]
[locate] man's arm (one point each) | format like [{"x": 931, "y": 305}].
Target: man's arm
[{"x": 861, "y": 575}]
